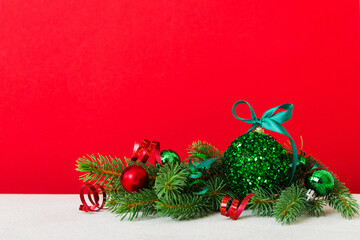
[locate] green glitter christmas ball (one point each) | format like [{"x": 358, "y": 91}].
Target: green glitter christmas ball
[
  {"x": 321, "y": 181},
  {"x": 169, "y": 156},
  {"x": 255, "y": 160}
]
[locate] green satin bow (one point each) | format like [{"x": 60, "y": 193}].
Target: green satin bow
[{"x": 272, "y": 122}]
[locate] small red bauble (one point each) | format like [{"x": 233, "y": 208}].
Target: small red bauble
[{"x": 134, "y": 178}]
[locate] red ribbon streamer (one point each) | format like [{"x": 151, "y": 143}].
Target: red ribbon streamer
[
  {"x": 141, "y": 151},
  {"x": 93, "y": 196},
  {"x": 234, "y": 211},
  {"x": 144, "y": 150}
]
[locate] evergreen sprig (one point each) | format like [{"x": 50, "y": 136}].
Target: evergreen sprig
[
  {"x": 316, "y": 207},
  {"x": 170, "y": 192},
  {"x": 171, "y": 180},
  {"x": 132, "y": 204},
  {"x": 308, "y": 162},
  {"x": 263, "y": 201},
  {"x": 107, "y": 170},
  {"x": 200, "y": 150},
  {"x": 102, "y": 168},
  {"x": 184, "y": 207},
  {"x": 217, "y": 191},
  {"x": 291, "y": 204},
  {"x": 342, "y": 201}
]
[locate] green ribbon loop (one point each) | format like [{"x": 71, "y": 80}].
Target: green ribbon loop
[
  {"x": 196, "y": 173},
  {"x": 272, "y": 121}
]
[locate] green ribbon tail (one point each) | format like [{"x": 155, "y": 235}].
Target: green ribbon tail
[
  {"x": 196, "y": 173},
  {"x": 206, "y": 164},
  {"x": 296, "y": 160}
]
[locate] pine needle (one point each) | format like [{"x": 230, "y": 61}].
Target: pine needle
[
  {"x": 200, "y": 150},
  {"x": 342, "y": 201},
  {"x": 132, "y": 205},
  {"x": 315, "y": 207},
  {"x": 291, "y": 204},
  {"x": 263, "y": 201},
  {"x": 171, "y": 180},
  {"x": 217, "y": 191},
  {"x": 184, "y": 207},
  {"x": 106, "y": 170}
]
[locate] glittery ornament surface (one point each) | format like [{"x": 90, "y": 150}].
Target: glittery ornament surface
[
  {"x": 169, "y": 156},
  {"x": 321, "y": 181},
  {"x": 255, "y": 160}
]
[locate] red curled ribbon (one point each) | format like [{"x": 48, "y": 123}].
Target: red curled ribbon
[
  {"x": 93, "y": 196},
  {"x": 141, "y": 151},
  {"x": 144, "y": 150},
  {"x": 234, "y": 211}
]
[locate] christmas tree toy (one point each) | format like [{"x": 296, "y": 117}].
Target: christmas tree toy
[{"x": 255, "y": 172}]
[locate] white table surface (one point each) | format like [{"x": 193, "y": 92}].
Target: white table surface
[{"x": 57, "y": 217}]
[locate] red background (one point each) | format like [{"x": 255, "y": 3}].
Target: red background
[{"x": 80, "y": 77}]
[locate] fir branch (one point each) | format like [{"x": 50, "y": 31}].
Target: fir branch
[
  {"x": 102, "y": 168},
  {"x": 107, "y": 170},
  {"x": 342, "y": 201},
  {"x": 263, "y": 201},
  {"x": 217, "y": 190},
  {"x": 291, "y": 204},
  {"x": 171, "y": 180},
  {"x": 216, "y": 169},
  {"x": 303, "y": 168},
  {"x": 315, "y": 207},
  {"x": 113, "y": 197},
  {"x": 339, "y": 198},
  {"x": 200, "y": 150},
  {"x": 184, "y": 207},
  {"x": 132, "y": 204}
]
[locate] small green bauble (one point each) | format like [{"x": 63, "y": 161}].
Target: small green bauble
[
  {"x": 169, "y": 156},
  {"x": 321, "y": 181},
  {"x": 255, "y": 160}
]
